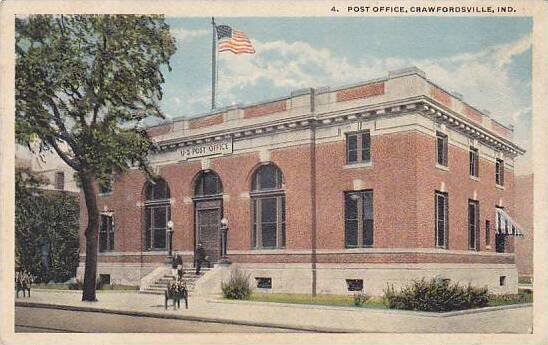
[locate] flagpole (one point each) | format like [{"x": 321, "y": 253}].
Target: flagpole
[{"x": 213, "y": 63}]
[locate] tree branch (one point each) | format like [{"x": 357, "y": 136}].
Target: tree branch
[
  {"x": 63, "y": 130},
  {"x": 70, "y": 161}
]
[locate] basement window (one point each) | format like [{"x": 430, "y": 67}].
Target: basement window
[
  {"x": 354, "y": 284},
  {"x": 502, "y": 280},
  {"x": 104, "y": 279},
  {"x": 264, "y": 283}
]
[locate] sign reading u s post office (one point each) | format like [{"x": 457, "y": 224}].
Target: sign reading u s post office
[{"x": 218, "y": 147}]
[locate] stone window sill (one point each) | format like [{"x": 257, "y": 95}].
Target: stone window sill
[
  {"x": 442, "y": 167},
  {"x": 499, "y": 187},
  {"x": 359, "y": 165},
  {"x": 475, "y": 178}
]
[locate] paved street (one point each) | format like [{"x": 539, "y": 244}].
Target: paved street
[
  {"x": 216, "y": 313},
  {"x": 60, "y": 321}
]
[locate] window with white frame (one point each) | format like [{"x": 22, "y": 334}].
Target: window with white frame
[
  {"x": 358, "y": 219},
  {"x": 474, "y": 161},
  {"x": 441, "y": 214},
  {"x": 268, "y": 208},
  {"x": 157, "y": 214},
  {"x": 441, "y": 148},
  {"x": 499, "y": 172},
  {"x": 358, "y": 147},
  {"x": 106, "y": 232},
  {"x": 473, "y": 224}
]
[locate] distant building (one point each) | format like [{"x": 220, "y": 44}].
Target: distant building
[
  {"x": 335, "y": 190},
  {"x": 49, "y": 166},
  {"x": 524, "y": 216}
]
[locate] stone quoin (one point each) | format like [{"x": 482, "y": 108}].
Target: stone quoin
[{"x": 327, "y": 190}]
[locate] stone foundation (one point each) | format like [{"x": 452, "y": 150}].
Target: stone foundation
[{"x": 332, "y": 278}]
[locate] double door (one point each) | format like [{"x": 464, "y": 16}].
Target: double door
[{"x": 208, "y": 225}]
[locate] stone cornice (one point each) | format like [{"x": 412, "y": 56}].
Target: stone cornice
[
  {"x": 459, "y": 123},
  {"x": 421, "y": 105}
]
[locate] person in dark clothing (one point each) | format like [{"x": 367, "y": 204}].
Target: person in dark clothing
[
  {"x": 179, "y": 261},
  {"x": 200, "y": 257},
  {"x": 174, "y": 266}
]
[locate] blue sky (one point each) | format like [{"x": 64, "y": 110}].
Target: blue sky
[{"x": 488, "y": 60}]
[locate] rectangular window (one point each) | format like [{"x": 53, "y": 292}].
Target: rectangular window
[
  {"x": 502, "y": 280},
  {"x": 441, "y": 148},
  {"x": 473, "y": 224},
  {"x": 60, "y": 180},
  {"x": 354, "y": 284},
  {"x": 268, "y": 221},
  {"x": 474, "y": 164},
  {"x": 358, "y": 147},
  {"x": 156, "y": 218},
  {"x": 499, "y": 172},
  {"x": 105, "y": 187},
  {"x": 358, "y": 222},
  {"x": 104, "y": 279},
  {"x": 487, "y": 232},
  {"x": 106, "y": 233},
  {"x": 441, "y": 208},
  {"x": 263, "y": 282}
]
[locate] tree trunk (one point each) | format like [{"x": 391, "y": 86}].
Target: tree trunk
[{"x": 92, "y": 234}]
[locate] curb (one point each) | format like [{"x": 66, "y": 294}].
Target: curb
[
  {"x": 181, "y": 317},
  {"x": 380, "y": 310}
]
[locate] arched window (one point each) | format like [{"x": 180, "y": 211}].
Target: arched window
[
  {"x": 208, "y": 183},
  {"x": 268, "y": 208},
  {"x": 157, "y": 214}
]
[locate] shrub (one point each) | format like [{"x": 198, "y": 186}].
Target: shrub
[
  {"x": 79, "y": 285},
  {"x": 238, "y": 286},
  {"x": 360, "y": 299},
  {"x": 435, "y": 295}
]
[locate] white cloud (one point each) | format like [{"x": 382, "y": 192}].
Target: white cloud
[
  {"x": 505, "y": 53},
  {"x": 482, "y": 77},
  {"x": 182, "y": 34}
]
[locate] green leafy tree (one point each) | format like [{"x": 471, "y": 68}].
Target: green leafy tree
[
  {"x": 47, "y": 219},
  {"x": 84, "y": 85}
]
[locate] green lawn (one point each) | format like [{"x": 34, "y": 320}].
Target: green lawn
[
  {"x": 375, "y": 302},
  {"x": 330, "y": 300},
  {"x": 523, "y": 296}
]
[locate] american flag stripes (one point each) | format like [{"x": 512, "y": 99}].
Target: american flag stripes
[{"x": 233, "y": 41}]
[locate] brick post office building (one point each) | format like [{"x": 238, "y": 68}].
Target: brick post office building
[{"x": 328, "y": 190}]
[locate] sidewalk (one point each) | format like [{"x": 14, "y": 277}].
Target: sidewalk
[{"x": 298, "y": 317}]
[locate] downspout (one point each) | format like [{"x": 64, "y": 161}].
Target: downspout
[{"x": 313, "y": 190}]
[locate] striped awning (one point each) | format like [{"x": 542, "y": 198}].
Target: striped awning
[{"x": 504, "y": 224}]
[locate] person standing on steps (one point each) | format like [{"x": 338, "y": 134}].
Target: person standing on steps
[
  {"x": 200, "y": 257},
  {"x": 174, "y": 266},
  {"x": 179, "y": 267}
]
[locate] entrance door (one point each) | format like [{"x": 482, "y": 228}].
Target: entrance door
[
  {"x": 208, "y": 223},
  {"x": 499, "y": 243}
]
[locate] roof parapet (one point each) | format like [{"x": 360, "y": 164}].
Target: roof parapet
[{"x": 406, "y": 71}]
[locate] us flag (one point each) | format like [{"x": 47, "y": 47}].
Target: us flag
[{"x": 233, "y": 41}]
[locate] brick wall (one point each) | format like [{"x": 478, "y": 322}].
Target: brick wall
[
  {"x": 403, "y": 178},
  {"x": 360, "y": 92},
  {"x": 460, "y": 188},
  {"x": 159, "y": 130},
  {"x": 205, "y": 121},
  {"x": 265, "y": 109},
  {"x": 472, "y": 114},
  {"x": 441, "y": 96}
]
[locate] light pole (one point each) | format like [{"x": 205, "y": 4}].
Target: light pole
[
  {"x": 224, "y": 241},
  {"x": 169, "y": 238}
]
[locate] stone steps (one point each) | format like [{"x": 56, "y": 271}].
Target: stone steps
[{"x": 161, "y": 284}]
